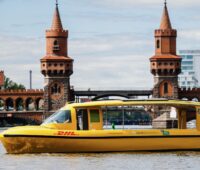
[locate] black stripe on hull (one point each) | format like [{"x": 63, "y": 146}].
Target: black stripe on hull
[{"x": 100, "y": 137}]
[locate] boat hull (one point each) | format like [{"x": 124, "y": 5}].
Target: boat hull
[{"x": 100, "y": 141}]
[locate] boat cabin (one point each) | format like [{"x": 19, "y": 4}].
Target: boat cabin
[{"x": 93, "y": 115}]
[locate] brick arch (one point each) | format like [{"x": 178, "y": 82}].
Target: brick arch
[
  {"x": 29, "y": 103},
  {"x": 166, "y": 89},
  {"x": 2, "y": 104},
  {"x": 19, "y": 103},
  {"x": 107, "y": 95},
  {"x": 196, "y": 99},
  {"x": 9, "y": 104},
  {"x": 184, "y": 98},
  {"x": 39, "y": 103}
]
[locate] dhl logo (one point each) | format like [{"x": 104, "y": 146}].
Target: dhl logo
[{"x": 66, "y": 133}]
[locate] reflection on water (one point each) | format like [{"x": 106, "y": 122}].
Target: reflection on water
[
  {"x": 118, "y": 161},
  {"x": 101, "y": 161}
]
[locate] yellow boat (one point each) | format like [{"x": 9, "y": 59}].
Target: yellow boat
[{"x": 78, "y": 127}]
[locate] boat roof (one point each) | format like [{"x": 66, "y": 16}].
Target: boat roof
[{"x": 166, "y": 102}]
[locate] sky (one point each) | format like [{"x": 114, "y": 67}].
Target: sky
[{"x": 110, "y": 41}]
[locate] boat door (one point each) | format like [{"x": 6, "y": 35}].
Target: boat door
[
  {"x": 82, "y": 119},
  {"x": 95, "y": 119}
]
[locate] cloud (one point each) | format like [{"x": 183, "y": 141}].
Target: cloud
[
  {"x": 193, "y": 34},
  {"x": 111, "y": 61},
  {"x": 189, "y": 39},
  {"x": 110, "y": 48},
  {"x": 101, "y": 61},
  {"x": 18, "y": 55},
  {"x": 113, "y": 71},
  {"x": 132, "y": 3}
]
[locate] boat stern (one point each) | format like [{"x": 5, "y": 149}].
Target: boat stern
[{"x": 1, "y": 136}]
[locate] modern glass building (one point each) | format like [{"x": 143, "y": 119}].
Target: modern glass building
[{"x": 190, "y": 75}]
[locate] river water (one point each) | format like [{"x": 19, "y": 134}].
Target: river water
[{"x": 101, "y": 161}]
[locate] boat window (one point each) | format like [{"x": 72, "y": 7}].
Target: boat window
[
  {"x": 127, "y": 117},
  {"x": 61, "y": 116},
  {"x": 94, "y": 115}
]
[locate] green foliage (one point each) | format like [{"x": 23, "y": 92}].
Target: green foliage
[{"x": 9, "y": 84}]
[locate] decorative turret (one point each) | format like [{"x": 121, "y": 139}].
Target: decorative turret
[
  {"x": 165, "y": 20},
  {"x": 56, "y": 65},
  {"x": 56, "y": 62},
  {"x": 165, "y": 64},
  {"x": 56, "y": 24}
]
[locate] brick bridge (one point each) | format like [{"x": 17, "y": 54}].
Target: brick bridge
[
  {"x": 24, "y": 105},
  {"x": 189, "y": 94},
  {"x": 27, "y": 105}
]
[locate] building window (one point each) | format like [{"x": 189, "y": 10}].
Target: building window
[
  {"x": 165, "y": 88},
  {"x": 158, "y": 43},
  {"x": 56, "y": 45},
  {"x": 55, "y": 89},
  {"x": 189, "y": 57}
]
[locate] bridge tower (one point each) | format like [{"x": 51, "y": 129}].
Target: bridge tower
[
  {"x": 56, "y": 66},
  {"x": 165, "y": 64}
]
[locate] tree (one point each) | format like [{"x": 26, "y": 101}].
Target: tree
[{"x": 9, "y": 84}]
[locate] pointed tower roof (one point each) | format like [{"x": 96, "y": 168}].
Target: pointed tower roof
[
  {"x": 56, "y": 24},
  {"x": 165, "y": 21}
]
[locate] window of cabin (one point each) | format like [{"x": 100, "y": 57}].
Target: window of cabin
[
  {"x": 165, "y": 88},
  {"x": 61, "y": 116},
  {"x": 94, "y": 115},
  {"x": 158, "y": 43}
]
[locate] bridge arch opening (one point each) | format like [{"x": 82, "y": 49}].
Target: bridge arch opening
[
  {"x": 185, "y": 98},
  {"x": 110, "y": 96},
  {"x": 19, "y": 104},
  {"x": 2, "y": 104},
  {"x": 195, "y": 99},
  {"x": 30, "y": 104},
  {"x": 9, "y": 104},
  {"x": 39, "y": 104}
]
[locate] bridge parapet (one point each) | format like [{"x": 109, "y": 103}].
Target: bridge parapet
[
  {"x": 106, "y": 93},
  {"x": 21, "y": 100},
  {"x": 189, "y": 93},
  {"x": 32, "y": 91}
]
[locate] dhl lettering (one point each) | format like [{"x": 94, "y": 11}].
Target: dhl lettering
[{"x": 66, "y": 133}]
